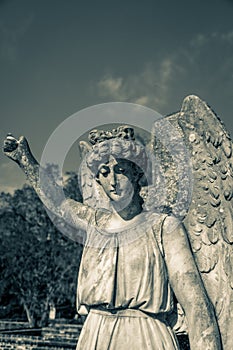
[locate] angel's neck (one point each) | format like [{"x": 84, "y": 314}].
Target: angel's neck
[{"x": 133, "y": 209}]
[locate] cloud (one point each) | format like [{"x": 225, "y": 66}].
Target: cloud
[
  {"x": 228, "y": 37},
  {"x": 201, "y": 40},
  {"x": 202, "y": 66},
  {"x": 198, "y": 40},
  {"x": 110, "y": 86},
  {"x": 149, "y": 87}
]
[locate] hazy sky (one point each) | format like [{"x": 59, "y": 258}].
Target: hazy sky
[{"x": 60, "y": 56}]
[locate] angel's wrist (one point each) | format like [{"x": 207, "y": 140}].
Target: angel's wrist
[
  {"x": 30, "y": 167},
  {"x": 27, "y": 161}
]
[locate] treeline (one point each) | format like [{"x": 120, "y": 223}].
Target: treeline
[{"x": 38, "y": 264}]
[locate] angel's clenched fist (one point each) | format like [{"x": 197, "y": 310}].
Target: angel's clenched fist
[
  {"x": 10, "y": 143},
  {"x": 16, "y": 149}
]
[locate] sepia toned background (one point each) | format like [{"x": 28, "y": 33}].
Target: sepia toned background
[{"x": 58, "y": 57}]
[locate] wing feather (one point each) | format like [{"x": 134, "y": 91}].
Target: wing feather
[{"x": 209, "y": 216}]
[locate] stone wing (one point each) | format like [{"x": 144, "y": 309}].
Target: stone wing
[{"x": 208, "y": 217}]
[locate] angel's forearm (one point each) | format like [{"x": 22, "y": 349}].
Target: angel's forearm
[
  {"x": 49, "y": 192},
  {"x": 31, "y": 168},
  {"x": 203, "y": 330},
  {"x": 202, "y": 327},
  {"x": 189, "y": 289},
  {"x": 63, "y": 210},
  {"x": 52, "y": 195}
]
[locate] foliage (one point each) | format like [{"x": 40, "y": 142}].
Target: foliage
[{"x": 38, "y": 264}]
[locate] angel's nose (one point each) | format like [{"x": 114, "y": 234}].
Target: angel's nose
[{"x": 112, "y": 178}]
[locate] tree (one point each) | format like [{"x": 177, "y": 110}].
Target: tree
[{"x": 38, "y": 264}]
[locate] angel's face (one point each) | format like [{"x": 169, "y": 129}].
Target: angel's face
[{"x": 117, "y": 178}]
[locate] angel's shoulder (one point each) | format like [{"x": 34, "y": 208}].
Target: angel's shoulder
[
  {"x": 102, "y": 218},
  {"x": 76, "y": 211},
  {"x": 174, "y": 236},
  {"x": 162, "y": 225},
  {"x": 171, "y": 223}
]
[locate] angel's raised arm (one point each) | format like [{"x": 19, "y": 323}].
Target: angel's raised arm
[
  {"x": 48, "y": 190},
  {"x": 188, "y": 287}
]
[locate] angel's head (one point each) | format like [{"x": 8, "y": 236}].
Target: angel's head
[{"x": 118, "y": 163}]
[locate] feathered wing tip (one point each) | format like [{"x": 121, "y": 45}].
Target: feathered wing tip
[
  {"x": 209, "y": 216},
  {"x": 84, "y": 149}
]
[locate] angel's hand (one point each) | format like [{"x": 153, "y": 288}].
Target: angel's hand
[{"x": 16, "y": 149}]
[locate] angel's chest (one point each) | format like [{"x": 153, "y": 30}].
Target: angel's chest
[{"x": 135, "y": 259}]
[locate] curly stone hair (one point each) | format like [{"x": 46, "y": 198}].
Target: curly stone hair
[{"x": 119, "y": 143}]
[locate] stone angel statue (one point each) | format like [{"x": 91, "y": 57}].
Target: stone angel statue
[{"x": 145, "y": 250}]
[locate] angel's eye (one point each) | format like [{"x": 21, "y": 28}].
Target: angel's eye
[
  {"x": 104, "y": 171},
  {"x": 120, "y": 170}
]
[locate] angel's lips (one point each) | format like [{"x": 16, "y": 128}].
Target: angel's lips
[{"x": 117, "y": 192}]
